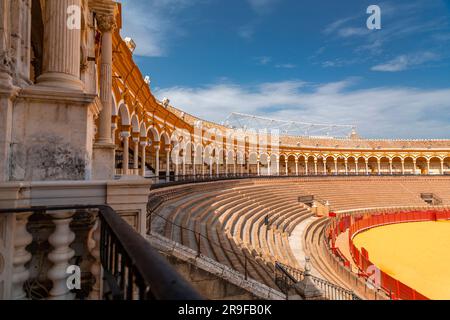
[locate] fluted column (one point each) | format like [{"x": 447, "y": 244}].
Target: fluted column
[
  {"x": 22, "y": 238},
  {"x": 96, "y": 267},
  {"x": 61, "y": 254},
  {"x": 106, "y": 25},
  {"x": 62, "y": 38},
  {"x": 125, "y": 136},
  {"x": 143, "y": 144}
]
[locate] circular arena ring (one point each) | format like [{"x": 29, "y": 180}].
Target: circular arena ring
[{"x": 402, "y": 253}]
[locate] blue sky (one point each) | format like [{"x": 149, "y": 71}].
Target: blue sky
[{"x": 312, "y": 61}]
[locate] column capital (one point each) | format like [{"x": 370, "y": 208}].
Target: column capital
[
  {"x": 125, "y": 134},
  {"x": 106, "y": 22}
]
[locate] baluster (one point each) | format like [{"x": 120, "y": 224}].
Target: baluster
[
  {"x": 22, "y": 238},
  {"x": 96, "y": 266},
  {"x": 61, "y": 254}
]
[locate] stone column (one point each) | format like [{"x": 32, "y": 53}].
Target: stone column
[
  {"x": 217, "y": 167},
  {"x": 428, "y": 166},
  {"x": 136, "y": 155},
  {"x": 356, "y": 167},
  {"x": 61, "y": 254},
  {"x": 125, "y": 136},
  {"x": 325, "y": 167},
  {"x": 143, "y": 144},
  {"x": 106, "y": 24},
  {"x": 62, "y": 38},
  {"x": 167, "y": 164},
  {"x": 286, "y": 167},
  {"x": 296, "y": 166},
  {"x": 157, "y": 162},
  {"x": 22, "y": 238},
  {"x": 391, "y": 171},
  {"x": 306, "y": 167},
  {"x": 257, "y": 167},
  {"x": 335, "y": 167},
  {"x": 194, "y": 163},
  {"x": 315, "y": 167},
  {"x": 346, "y": 166},
  {"x": 104, "y": 146},
  {"x": 379, "y": 166},
  {"x": 403, "y": 166},
  {"x": 414, "y": 166},
  {"x": 442, "y": 166}
]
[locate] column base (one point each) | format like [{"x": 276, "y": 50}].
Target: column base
[
  {"x": 103, "y": 161},
  {"x": 60, "y": 80}
]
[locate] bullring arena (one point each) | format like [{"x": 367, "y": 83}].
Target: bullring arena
[{"x": 154, "y": 203}]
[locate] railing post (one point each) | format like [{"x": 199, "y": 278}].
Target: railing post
[
  {"x": 22, "y": 238},
  {"x": 96, "y": 267},
  {"x": 245, "y": 266},
  {"x": 198, "y": 245},
  {"x": 61, "y": 254}
]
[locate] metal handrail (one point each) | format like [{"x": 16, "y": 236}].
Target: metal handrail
[
  {"x": 122, "y": 247},
  {"x": 330, "y": 290}
]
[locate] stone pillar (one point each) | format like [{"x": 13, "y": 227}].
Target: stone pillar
[
  {"x": 125, "y": 137},
  {"x": 286, "y": 167},
  {"x": 61, "y": 61},
  {"x": 403, "y": 166},
  {"x": 325, "y": 173},
  {"x": 315, "y": 167},
  {"x": 379, "y": 166},
  {"x": 356, "y": 167},
  {"x": 104, "y": 146},
  {"x": 346, "y": 166},
  {"x": 391, "y": 171},
  {"x": 428, "y": 166},
  {"x": 306, "y": 167},
  {"x": 157, "y": 162},
  {"x": 61, "y": 254},
  {"x": 296, "y": 166},
  {"x": 442, "y": 166},
  {"x": 22, "y": 238},
  {"x": 414, "y": 166},
  {"x": 7, "y": 90},
  {"x": 335, "y": 167},
  {"x": 167, "y": 164},
  {"x": 217, "y": 167},
  {"x": 194, "y": 163},
  {"x": 143, "y": 144},
  {"x": 106, "y": 24},
  {"x": 257, "y": 167},
  {"x": 367, "y": 166},
  {"x": 136, "y": 155}
]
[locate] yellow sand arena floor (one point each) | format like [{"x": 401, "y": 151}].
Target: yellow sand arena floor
[{"x": 417, "y": 254}]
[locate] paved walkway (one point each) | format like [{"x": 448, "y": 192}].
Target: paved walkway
[{"x": 297, "y": 246}]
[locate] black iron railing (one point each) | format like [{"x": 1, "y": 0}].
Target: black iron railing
[
  {"x": 132, "y": 268},
  {"x": 287, "y": 276}
]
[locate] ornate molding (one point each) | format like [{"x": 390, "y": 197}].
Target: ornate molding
[{"x": 106, "y": 22}]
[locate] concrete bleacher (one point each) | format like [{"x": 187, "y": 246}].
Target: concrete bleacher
[{"x": 230, "y": 216}]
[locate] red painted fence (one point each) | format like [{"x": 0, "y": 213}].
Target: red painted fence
[{"x": 358, "y": 223}]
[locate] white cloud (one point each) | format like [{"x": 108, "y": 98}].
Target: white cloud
[
  {"x": 286, "y": 66},
  {"x": 378, "y": 112},
  {"x": 404, "y": 62},
  {"x": 153, "y": 24}
]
